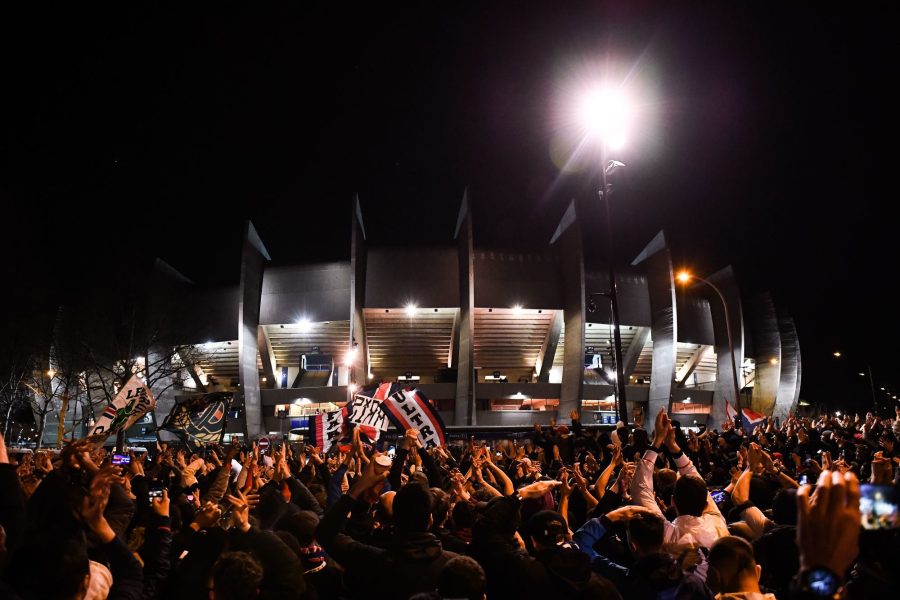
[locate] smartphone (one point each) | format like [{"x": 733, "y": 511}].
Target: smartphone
[
  {"x": 121, "y": 459},
  {"x": 155, "y": 492},
  {"x": 718, "y": 496},
  {"x": 878, "y": 506},
  {"x": 803, "y": 479},
  {"x": 190, "y": 497}
]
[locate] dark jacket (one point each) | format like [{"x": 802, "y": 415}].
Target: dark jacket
[
  {"x": 409, "y": 565},
  {"x": 657, "y": 576},
  {"x": 570, "y": 575}
]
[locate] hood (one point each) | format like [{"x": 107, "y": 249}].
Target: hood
[
  {"x": 567, "y": 564},
  {"x": 417, "y": 547},
  {"x": 660, "y": 571}
]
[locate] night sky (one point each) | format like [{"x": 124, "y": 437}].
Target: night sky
[{"x": 134, "y": 131}]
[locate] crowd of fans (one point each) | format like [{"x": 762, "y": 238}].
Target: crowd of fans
[{"x": 570, "y": 512}]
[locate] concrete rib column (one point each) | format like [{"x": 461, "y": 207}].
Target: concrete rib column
[
  {"x": 571, "y": 256},
  {"x": 767, "y": 349},
  {"x": 464, "y": 412},
  {"x": 657, "y": 263},
  {"x": 253, "y": 258},
  {"x": 727, "y": 284},
  {"x": 789, "y": 380},
  {"x": 358, "y": 257}
]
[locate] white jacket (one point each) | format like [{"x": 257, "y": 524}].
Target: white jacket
[{"x": 685, "y": 529}]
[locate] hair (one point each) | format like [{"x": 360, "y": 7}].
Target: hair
[
  {"x": 784, "y": 507},
  {"x": 761, "y": 492},
  {"x": 730, "y": 560},
  {"x": 690, "y": 495},
  {"x": 463, "y": 515},
  {"x": 412, "y": 508},
  {"x": 318, "y": 490},
  {"x": 664, "y": 483},
  {"x": 462, "y": 577},
  {"x": 646, "y": 531},
  {"x": 236, "y": 575},
  {"x": 641, "y": 439},
  {"x": 27, "y": 571},
  {"x": 301, "y": 525},
  {"x": 441, "y": 507}
]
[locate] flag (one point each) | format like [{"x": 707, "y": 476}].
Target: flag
[
  {"x": 365, "y": 412},
  {"x": 198, "y": 420},
  {"x": 132, "y": 402},
  {"x": 326, "y": 429},
  {"x": 730, "y": 413},
  {"x": 410, "y": 409},
  {"x": 751, "y": 420}
]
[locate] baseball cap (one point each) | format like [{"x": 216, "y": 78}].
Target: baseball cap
[{"x": 547, "y": 527}]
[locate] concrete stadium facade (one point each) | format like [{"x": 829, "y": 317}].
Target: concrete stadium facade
[{"x": 494, "y": 338}]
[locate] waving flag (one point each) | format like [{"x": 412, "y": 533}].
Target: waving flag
[
  {"x": 751, "y": 420},
  {"x": 198, "y": 420},
  {"x": 326, "y": 429},
  {"x": 410, "y": 409},
  {"x": 730, "y": 412},
  {"x": 132, "y": 402},
  {"x": 365, "y": 412}
]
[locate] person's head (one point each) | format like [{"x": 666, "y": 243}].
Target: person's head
[
  {"x": 690, "y": 495},
  {"x": 664, "y": 483},
  {"x": 462, "y": 577},
  {"x": 862, "y": 453},
  {"x": 412, "y": 508},
  {"x": 235, "y": 576},
  {"x": 645, "y": 533},
  {"x": 463, "y": 516},
  {"x": 302, "y": 525},
  {"x": 641, "y": 438},
  {"x": 732, "y": 566},
  {"x": 441, "y": 508},
  {"x": 71, "y": 570},
  {"x": 547, "y": 528}
]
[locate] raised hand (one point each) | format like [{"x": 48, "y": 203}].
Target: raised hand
[
  {"x": 828, "y": 522},
  {"x": 661, "y": 427},
  {"x": 207, "y": 517},
  {"x": 160, "y": 506},
  {"x": 240, "y": 515},
  {"x": 368, "y": 479}
]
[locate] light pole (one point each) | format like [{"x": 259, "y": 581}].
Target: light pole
[
  {"x": 605, "y": 116},
  {"x": 684, "y": 277},
  {"x": 605, "y": 193}
]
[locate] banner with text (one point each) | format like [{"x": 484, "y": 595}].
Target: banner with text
[
  {"x": 326, "y": 429},
  {"x": 366, "y": 411},
  {"x": 132, "y": 402},
  {"x": 410, "y": 409}
]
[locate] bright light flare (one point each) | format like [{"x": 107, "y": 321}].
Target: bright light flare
[
  {"x": 352, "y": 388},
  {"x": 517, "y": 309},
  {"x": 773, "y": 361},
  {"x": 350, "y": 357},
  {"x": 411, "y": 309},
  {"x": 836, "y": 354},
  {"x": 606, "y": 113},
  {"x": 304, "y": 325},
  {"x": 683, "y": 277}
]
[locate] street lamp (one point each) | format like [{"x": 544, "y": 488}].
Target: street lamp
[
  {"x": 684, "y": 277},
  {"x": 605, "y": 115}
]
